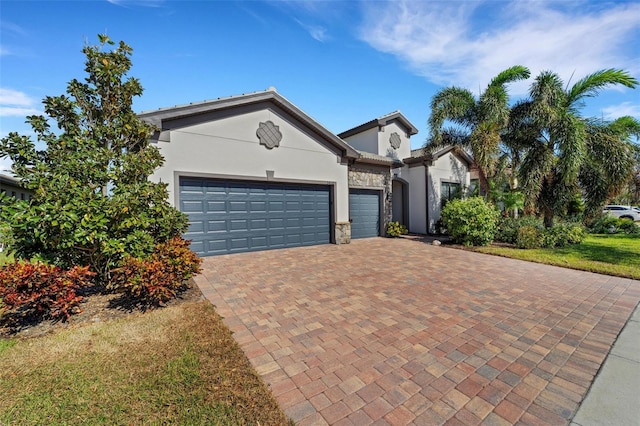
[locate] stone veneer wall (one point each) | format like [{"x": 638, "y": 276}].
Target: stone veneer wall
[
  {"x": 343, "y": 232},
  {"x": 368, "y": 176}
]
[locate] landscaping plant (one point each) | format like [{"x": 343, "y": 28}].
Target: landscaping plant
[
  {"x": 529, "y": 232},
  {"x": 37, "y": 290},
  {"x": 508, "y": 227},
  {"x": 93, "y": 203},
  {"x": 158, "y": 278},
  {"x": 395, "y": 229},
  {"x": 607, "y": 224},
  {"x": 470, "y": 221}
]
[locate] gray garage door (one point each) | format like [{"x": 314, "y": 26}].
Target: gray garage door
[
  {"x": 364, "y": 212},
  {"x": 235, "y": 216}
]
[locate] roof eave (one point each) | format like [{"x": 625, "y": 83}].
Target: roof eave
[{"x": 159, "y": 116}]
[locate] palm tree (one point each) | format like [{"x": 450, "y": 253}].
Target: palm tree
[
  {"x": 559, "y": 140},
  {"x": 476, "y": 124},
  {"x": 611, "y": 161}
]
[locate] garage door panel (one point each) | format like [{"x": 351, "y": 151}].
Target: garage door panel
[
  {"x": 293, "y": 222},
  {"x": 276, "y": 206},
  {"x": 257, "y": 206},
  {"x": 197, "y": 246},
  {"x": 196, "y": 226},
  {"x": 239, "y": 244},
  {"x": 232, "y": 216},
  {"x": 216, "y": 226},
  {"x": 213, "y": 191},
  {"x": 258, "y": 224},
  {"x": 237, "y": 206},
  {"x": 238, "y": 225},
  {"x": 191, "y": 206}
]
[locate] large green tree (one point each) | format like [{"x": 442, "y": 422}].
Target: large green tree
[
  {"x": 565, "y": 152},
  {"x": 92, "y": 200},
  {"x": 475, "y": 124},
  {"x": 610, "y": 164}
]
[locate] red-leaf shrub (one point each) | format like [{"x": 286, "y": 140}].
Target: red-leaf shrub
[
  {"x": 160, "y": 277},
  {"x": 38, "y": 290}
]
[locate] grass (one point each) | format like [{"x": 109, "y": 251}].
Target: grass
[
  {"x": 617, "y": 254},
  {"x": 177, "y": 365}
]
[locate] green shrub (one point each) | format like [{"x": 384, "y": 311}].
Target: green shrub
[
  {"x": 536, "y": 235},
  {"x": 36, "y": 291},
  {"x": 529, "y": 237},
  {"x": 470, "y": 221},
  {"x": 395, "y": 229},
  {"x": 508, "y": 227},
  {"x": 626, "y": 226},
  {"x": 161, "y": 276},
  {"x": 562, "y": 235},
  {"x": 607, "y": 224}
]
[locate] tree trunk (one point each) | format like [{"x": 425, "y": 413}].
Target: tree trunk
[{"x": 548, "y": 218}]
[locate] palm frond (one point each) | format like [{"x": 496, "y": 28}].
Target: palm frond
[
  {"x": 514, "y": 73},
  {"x": 592, "y": 84},
  {"x": 493, "y": 105},
  {"x": 536, "y": 165},
  {"x": 547, "y": 88},
  {"x": 626, "y": 127},
  {"x": 608, "y": 167},
  {"x": 448, "y": 137},
  {"x": 569, "y": 138},
  {"x": 450, "y": 104}
]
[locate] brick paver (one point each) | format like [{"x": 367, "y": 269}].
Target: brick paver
[{"x": 402, "y": 332}]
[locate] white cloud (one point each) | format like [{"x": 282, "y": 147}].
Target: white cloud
[
  {"x": 624, "y": 109},
  {"x": 11, "y": 28},
  {"x": 5, "y": 165},
  {"x": 317, "y": 32},
  {"x": 14, "y": 97},
  {"x": 144, "y": 3},
  {"x": 16, "y": 104},
  {"x": 467, "y": 43},
  {"x": 10, "y": 111}
]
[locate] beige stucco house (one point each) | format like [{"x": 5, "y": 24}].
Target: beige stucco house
[
  {"x": 12, "y": 186},
  {"x": 254, "y": 172}
]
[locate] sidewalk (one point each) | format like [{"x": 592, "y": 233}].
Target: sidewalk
[{"x": 614, "y": 397}]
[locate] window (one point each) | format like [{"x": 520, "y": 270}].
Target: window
[
  {"x": 449, "y": 191},
  {"x": 474, "y": 187}
]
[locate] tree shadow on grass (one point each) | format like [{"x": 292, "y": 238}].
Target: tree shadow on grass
[{"x": 598, "y": 252}]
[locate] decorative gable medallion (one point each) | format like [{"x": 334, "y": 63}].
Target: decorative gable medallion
[
  {"x": 395, "y": 140},
  {"x": 269, "y": 134}
]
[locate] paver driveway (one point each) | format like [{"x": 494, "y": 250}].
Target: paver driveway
[{"x": 396, "y": 331}]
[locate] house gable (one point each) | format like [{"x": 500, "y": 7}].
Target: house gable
[
  {"x": 168, "y": 119},
  {"x": 387, "y": 136}
]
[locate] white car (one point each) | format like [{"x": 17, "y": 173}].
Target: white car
[{"x": 623, "y": 212}]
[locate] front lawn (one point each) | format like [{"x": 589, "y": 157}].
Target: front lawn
[
  {"x": 617, "y": 254},
  {"x": 176, "y": 365}
]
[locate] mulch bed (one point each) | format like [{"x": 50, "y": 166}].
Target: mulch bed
[{"x": 94, "y": 308}]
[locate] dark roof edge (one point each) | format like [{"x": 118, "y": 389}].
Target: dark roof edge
[
  {"x": 10, "y": 179},
  {"x": 156, "y": 117},
  {"x": 370, "y": 158},
  {"x": 381, "y": 121},
  {"x": 457, "y": 151}
]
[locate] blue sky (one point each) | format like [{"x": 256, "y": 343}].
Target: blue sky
[{"x": 342, "y": 62}]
